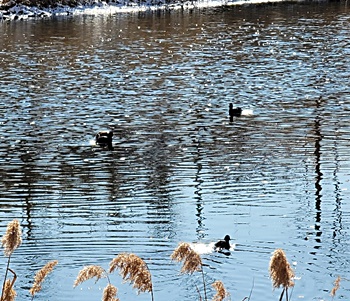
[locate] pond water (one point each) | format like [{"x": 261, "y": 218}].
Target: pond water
[{"x": 276, "y": 177}]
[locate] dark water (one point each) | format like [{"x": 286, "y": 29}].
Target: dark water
[{"x": 179, "y": 171}]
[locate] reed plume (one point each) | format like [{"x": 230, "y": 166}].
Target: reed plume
[
  {"x": 221, "y": 292},
  {"x": 10, "y": 241},
  {"x": 40, "y": 276},
  {"x": 133, "y": 269},
  {"x": 9, "y": 292},
  {"x": 109, "y": 293},
  {"x": 12, "y": 238},
  {"x": 89, "y": 272},
  {"x": 336, "y": 286},
  {"x": 192, "y": 262},
  {"x": 280, "y": 272}
]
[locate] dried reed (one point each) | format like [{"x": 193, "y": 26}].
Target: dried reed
[
  {"x": 133, "y": 269},
  {"x": 280, "y": 272},
  {"x": 221, "y": 292},
  {"x": 192, "y": 262},
  {"x": 89, "y": 272},
  {"x": 109, "y": 293},
  {"x": 12, "y": 238},
  {"x": 40, "y": 276},
  {"x": 9, "y": 292},
  {"x": 336, "y": 286},
  {"x": 10, "y": 241}
]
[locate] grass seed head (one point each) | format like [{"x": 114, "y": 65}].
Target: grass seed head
[
  {"x": 110, "y": 293},
  {"x": 221, "y": 292},
  {"x": 12, "y": 238},
  {"x": 280, "y": 271},
  {"x": 191, "y": 260},
  {"x": 89, "y": 272},
  {"x": 336, "y": 286},
  {"x": 133, "y": 269},
  {"x": 9, "y": 294},
  {"x": 40, "y": 276}
]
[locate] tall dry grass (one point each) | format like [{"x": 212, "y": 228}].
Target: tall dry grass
[
  {"x": 132, "y": 269},
  {"x": 281, "y": 272},
  {"x": 9, "y": 292},
  {"x": 11, "y": 240},
  {"x": 89, "y": 272},
  {"x": 192, "y": 262},
  {"x": 40, "y": 276},
  {"x": 221, "y": 292},
  {"x": 335, "y": 287},
  {"x": 135, "y": 270},
  {"x": 95, "y": 271},
  {"x": 110, "y": 293}
]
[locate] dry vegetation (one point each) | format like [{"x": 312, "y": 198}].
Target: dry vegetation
[
  {"x": 41, "y": 4},
  {"x": 133, "y": 269}
]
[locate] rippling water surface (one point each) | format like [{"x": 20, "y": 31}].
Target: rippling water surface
[{"x": 180, "y": 170}]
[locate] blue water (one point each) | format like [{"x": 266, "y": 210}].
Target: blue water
[{"x": 277, "y": 177}]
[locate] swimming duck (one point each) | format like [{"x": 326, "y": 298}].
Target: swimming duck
[
  {"x": 223, "y": 244},
  {"x": 104, "y": 138},
  {"x": 234, "y": 112}
]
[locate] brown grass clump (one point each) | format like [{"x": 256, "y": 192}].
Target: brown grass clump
[
  {"x": 89, "y": 272},
  {"x": 336, "y": 286},
  {"x": 40, "y": 276},
  {"x": 280, "y": 271},
  {"x": 221, "y": 292},
  {"x": 12, "y": 238},
  {"x": 109, "y": 293},
  {"x": 134, "y": 269},
  {"x": 192, "y": 260},
  {"x": 10, "y": 241},
  {"x": 9, "y": 292}
]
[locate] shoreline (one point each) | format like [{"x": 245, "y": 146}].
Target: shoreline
[{"x": 25, "y": 10}]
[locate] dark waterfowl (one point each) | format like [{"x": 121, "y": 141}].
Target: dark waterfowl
[
  {"x": 234, "y": 112},
  {"x": 104, "y": 138},
  {"x": 223, "y": 244}
]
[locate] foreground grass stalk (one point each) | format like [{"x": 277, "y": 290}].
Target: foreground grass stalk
[
  {"x": 221, "y": 292},
  {"x": 335, "y": 287},
  {"x": 204, "y": 285},
  {"x": 10, "y": 241},
  {"x": 9, "y": 293},
  {"x": 192, "y": 262},
  {"x": 199, "y": 293},
  {"x": 90, "y": 272},
  {"x": 280, "y": 272},
  {"x": 40, "y": 276},
  {"x": 5, "y": 278},
  {"x": 110, "y": 293},
  {"x": 135, "y": 270}
]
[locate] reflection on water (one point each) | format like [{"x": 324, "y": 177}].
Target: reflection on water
[{"x": 179, "y": 170}]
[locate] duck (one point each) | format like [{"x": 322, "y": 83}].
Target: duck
[
  {"x": 104, "y": 138},
  {"x": 234, "y": 112},
  {"x": 223, "y": 244}
]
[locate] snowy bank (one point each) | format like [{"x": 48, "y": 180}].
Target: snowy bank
[{"x": 13, "y": 10}]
